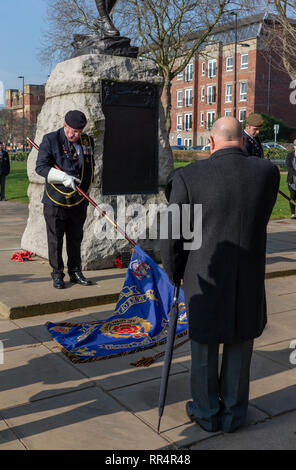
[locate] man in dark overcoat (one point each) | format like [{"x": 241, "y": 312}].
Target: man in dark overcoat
[
  {"x": 4, "y": 169},
  {"x": 251, "y": 139},
  {"x": 223, "y": 280},
  {"x": 65, "y": 209}
]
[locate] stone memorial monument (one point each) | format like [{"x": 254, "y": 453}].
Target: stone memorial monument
[{"x": 120, "y": 96}]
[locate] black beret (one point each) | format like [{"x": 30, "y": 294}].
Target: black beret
[{"x": 75, "y": 119}]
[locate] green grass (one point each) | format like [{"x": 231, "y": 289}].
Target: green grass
[
  {"x": 281, "y": 209},
  {"x": 17, "y": 183}
]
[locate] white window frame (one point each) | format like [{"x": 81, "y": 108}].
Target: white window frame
[
  {"x": 242, "y": 96},
  {"x": 203, "y": 69},
  {"x": 202, "y": 119},
  {"x": 188, "y": 142},
  {"x": 179, "y": 100},
  {"x": 212, "y": 67},
  {"x": 211, "y": 96},
  {"x": 188, "y": 97},
  {"x": 202, "y": 93},
  {"x": 228, "y": 96},
  {"x": 179, "y": 123},
  {"x": 211, "y": 114},
  {"x": 189, "y": 72},
  {"x": 227, "y": 112},
  {"x": 180, "y": 76},
  {"x": 188, "y": 122},
  {"x": 229, "y": 68},
  {"x": 244, "y": 65},
  {"x": 239, "y": 114}
]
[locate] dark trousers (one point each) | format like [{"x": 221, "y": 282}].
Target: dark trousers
[
  {"x": 2, "y": 183},
  {"x": 293, "y": 197},
  {"x": 221, "y": 401},
  {"x": 62, "y": 221}
]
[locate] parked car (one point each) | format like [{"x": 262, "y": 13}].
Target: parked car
[
  {"x": 196, "y": 147},
  {"x": 178, "y": 147},
  {"x": 207, "y": 147},
  {"x": 271, "y": 145}
]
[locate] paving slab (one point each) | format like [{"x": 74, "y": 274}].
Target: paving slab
[
  {"x": 36, "y": 373},
  {"x": 26, "y": 289},
  {"x": 273, "y": 434},
  {"x": 84, "y": 420}
]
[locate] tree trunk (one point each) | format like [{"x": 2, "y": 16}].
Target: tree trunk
[{"x": 167, "y": 103}]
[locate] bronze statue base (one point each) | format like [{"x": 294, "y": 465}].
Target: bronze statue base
[{"x": 96, "y": 44}]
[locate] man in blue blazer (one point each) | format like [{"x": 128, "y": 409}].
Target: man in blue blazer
[
  {"x": 65, "y": 209},
  {"x": 223, "y": 280}
]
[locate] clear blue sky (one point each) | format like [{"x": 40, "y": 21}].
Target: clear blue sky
[{"x": 21, "y": 22}]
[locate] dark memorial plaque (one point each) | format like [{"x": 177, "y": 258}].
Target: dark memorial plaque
[{"x": 130, "y": 158}]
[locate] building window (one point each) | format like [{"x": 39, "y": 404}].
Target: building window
[
  {"x": 188, "y": 121},
  {"x": 188, "y": 73},
  {"x": 179, "y": 98},
  {"x": 244, "y": 61},
  {"x": 179, "y": 122},
  {"x": 203, "y": 68},
  {"x": 212, "y": 68},
  {"x": 180, "y": 76},
  {"x": 243, "y": 91},
  {"x": 242, "y": 114},
  {"x": 210, "y": 119},
  {"x": 211, "y": 94},
  {"x": 188, "y": 142},
  {"x": 227, "y": 112},
  {"x": 202, "y": 119},
  {"x": 229, "y": 64},
  {"x": 228, "y": 92},
  {"x": 188, "y": 97},
  {"x": 202, "y": 93}
]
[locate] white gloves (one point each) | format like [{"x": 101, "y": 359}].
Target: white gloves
[{"x": 60, "y": 177}]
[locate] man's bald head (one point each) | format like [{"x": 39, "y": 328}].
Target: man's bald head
[{"x": 226, "y": 132}]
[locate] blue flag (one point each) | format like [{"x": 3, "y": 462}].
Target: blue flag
[{"x": 140, "y": 319}]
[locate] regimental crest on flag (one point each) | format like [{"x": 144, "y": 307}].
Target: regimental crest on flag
[
  {"x": 134, "y": 327},
  {"x": 140, "y": 269},
  {"x": 139, "y": 321}
]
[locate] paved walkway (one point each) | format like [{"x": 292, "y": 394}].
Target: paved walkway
[{"x": 47, "y": 402}]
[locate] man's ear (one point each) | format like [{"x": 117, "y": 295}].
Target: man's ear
[{"x": 212, "y": 143}]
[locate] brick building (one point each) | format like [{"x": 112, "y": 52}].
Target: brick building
[
  {"x": 34, "y": 99},
  {"x": 204, "y": 91}
]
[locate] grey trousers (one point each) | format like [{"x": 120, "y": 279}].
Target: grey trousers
[{"x": 221, "y": 400}]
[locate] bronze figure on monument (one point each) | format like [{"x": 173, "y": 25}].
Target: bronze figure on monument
[{"x": 107, "y": 40}]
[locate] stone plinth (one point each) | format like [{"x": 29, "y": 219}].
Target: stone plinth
[{"x": 76, "y": 84}]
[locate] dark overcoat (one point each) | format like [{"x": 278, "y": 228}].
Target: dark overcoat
[
  {"x": 4, "y": 163},
  {"x": 290, "y": 168},
  {"x": 224, "y": 279}
]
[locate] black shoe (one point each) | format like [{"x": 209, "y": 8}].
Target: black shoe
[
  {"x": 58, "y": 281},
  {"x": 78, "y": 278},
  {"x": 193, "y": 418}
]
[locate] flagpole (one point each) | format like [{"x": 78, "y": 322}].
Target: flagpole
[{"x": 96, "y": 206}]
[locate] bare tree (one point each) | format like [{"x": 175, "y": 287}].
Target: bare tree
[
  {"x": 170, "y": 32},
  {"x": 281, "y": 34}
]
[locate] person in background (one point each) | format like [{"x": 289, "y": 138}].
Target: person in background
[
  {"x": 291, "y": 178},
  {"x": 252, "y": 144},
  {"x": 4, "y": 169}
]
